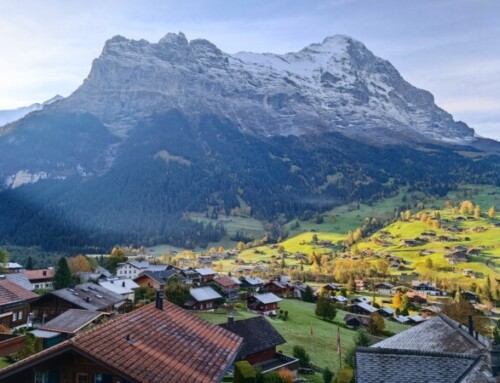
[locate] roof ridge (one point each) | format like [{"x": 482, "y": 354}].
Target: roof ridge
[
  {"x": 397, "y": 351},
  {"x": 461, "y": 329}
]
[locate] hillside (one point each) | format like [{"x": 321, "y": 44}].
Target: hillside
[
  {"x": 319, "y": 251},
  {"x": 163, "y": 140}
]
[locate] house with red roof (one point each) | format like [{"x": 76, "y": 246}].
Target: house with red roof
[
  {"x": 229, "y": 286},
  {"x": 157, "y": 343},
  {"x": 14, "y": 303},
  {"x": 41, "y": 279}
]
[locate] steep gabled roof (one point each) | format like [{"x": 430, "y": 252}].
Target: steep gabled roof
[
  {"x": 257, "y": 333},
  {"x": 71, "y": 321},
  {"x": 412, "y": 366},
  {"x": 11, "y": 292},
  {"x": 150, "y": 345},
  {"x": 21, "y": 280},
  {"x": 438, "y": 333},
  {"x": 202, "y": 294},
  {"x": 89, "y": 296},
  {"x": 267, "y": 298}
]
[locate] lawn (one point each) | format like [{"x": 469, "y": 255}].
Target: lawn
[
  {"x": 297, "y": 331},
  {"x": 4, "y": 363}
]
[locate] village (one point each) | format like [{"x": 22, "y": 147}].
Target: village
[{"x": 249, "y": 318}]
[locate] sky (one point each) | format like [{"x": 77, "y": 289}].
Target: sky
[{"x": 449, "y": 47}]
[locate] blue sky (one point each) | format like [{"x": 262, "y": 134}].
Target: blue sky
[{"x": 449, "y": 47}]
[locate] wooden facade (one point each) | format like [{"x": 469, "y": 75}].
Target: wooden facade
[
  {"x": 15, "y": 314},
  {"x": 145, "y": 280}
]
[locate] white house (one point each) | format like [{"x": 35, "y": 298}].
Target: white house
[{"x": 123, "y": 286}]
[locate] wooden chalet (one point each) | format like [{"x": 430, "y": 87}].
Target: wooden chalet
[
  {"x": 278, "y": 288},
  {"x": 386, "y": 312},
  {"x": 206, "y": 274},
  {"x": 362, "y": 308},
  {"x": 203, "y": 298},
  {"x": 85, "y": 296},
  {"x": 260, "y": 340},
  {"x": 250, "y": 283},
  {"x": 41, "y": 279},
  {"x": 229, "y": 286},
  {"x": 154, "y": 344},
  {"x": 332, "y": 287},
  {"x": 457, "y": 257},
  {"x": 264, "y": 303},
  {"x": 15, "y": 304},
  {"x": 157, "y": 279},
  {"x": 356, "y": 320}
]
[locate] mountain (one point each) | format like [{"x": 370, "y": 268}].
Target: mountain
[
  {"x": 8, "y": 116},
  {"x": 160, "y": 130}
]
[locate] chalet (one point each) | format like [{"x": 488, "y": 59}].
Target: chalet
[
  {"x": 417, "y": 298},
  {"x": 356, "y": 321},
  {"x": 11, "y": 267},
  {"x": 299, "y": 289},
  {"x": 203, "y": 298},
  {"x": 457, "y": 257},
  {"x": 41, "y": 279},
  {"x": 157, "y": 279},
  {"x": 469, "y": 273},
  {"x": 384, "y": 288},
  {"x": 430, "y": 311},
  {"x": 229, "y": 286},
  {"x": 362, "y": 308},
  {"x": 416, "y": 355},
  {"x": 206, "y": 273},
  {"x": 278, "y": 288},
  {"x": 332, "y": 287},
  {"x": 132, "y": 268},
  {"x": 122, "y": 286},
  {"x": 153, "y": 344},
  {"x": 264, "y": 303},
  {"x": 86, "y": 296},
  {"x": 250, "y": 283},
  {"x": 191, "y": 276},
  {"x": 360, "y": 300},
  {"x": 340, "y": 299},
  {"x": 260, "y": 340},
  {"x": 423, "y": 286},
  {"x": 386, "y": 312},
  {"x": 67, "y": 325},
  {"x": 14, "y": 304}
]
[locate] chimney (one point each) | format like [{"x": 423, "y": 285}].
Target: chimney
[
  {"x": 44, "y": 273},
  {"x": 471, "y": 325},
  {"x": 159, "y": 300},
  {"x": 87, "y": 299},
  {"x": 123, "y": 284},
  {"x": 230, "y": 318}
]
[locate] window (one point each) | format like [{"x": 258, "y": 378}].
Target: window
[
  {"x": 103, "y": 378},
  {"x": 82, "y": 378},
  {"x": 14, "y": 317},
  {"x": 41, "y": 377},
  {"x": 20, "y": 315}
]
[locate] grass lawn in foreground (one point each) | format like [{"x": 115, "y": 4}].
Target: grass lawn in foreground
[{"x": 297, "y": 331}]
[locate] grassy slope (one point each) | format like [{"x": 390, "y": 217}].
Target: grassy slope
[{"x": 296, "y": 331}]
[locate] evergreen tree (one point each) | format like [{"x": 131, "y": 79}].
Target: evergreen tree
[
  {"x": 62, "y": 277},
  {"x": 325, "y": 308},
  {"x": 351, "y": 285},
  {"x": 308, "y": 295},
  {"x": 29, "y": 263},
  {"x": 327, "y": 375}
]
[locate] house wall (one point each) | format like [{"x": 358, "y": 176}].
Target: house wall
[
  {"x": 208, "y": 305},
  {"x": 146, "y": 281},
  {"x": 261, "y": 356},
  {"x": 19, "y": 316},
  {"x": 49, "y": 306},
  {"x": 64, "y": 369}
]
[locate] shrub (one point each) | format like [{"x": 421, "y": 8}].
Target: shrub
[
  {"x": 345, "y": 375},
  {"x": 300, "y": 353},
  {"x": 327, "y": 375},
  {"x": 286, "y": 375},
  {"x": 244, "y": 372}
]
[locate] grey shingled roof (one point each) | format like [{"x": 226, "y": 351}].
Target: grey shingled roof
[
  {"x": 20, "y": 279},
  {"x": 437, "y": 334},
  {"x": 71, "y": 321},
  {"x": 267, "y": 298},
  {"x": 395, "y": 366},
  {"x": 257, "y": 333},
  {"x": 202, "y": 294},
  {"x": 98, "y": 297}
]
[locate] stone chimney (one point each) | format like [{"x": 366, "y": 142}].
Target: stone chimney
[{"x": 159, "y": 300}]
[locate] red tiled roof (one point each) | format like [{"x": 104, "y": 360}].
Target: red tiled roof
[
  {"x": 11, "y": 292},
  {"x": 225, "y": 281},
  {"x": 39, "y": 274},
  {"x": 152, "y": 346}
]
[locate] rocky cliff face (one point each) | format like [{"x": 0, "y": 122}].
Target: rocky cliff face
[{"x": 335, "y": 86}]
